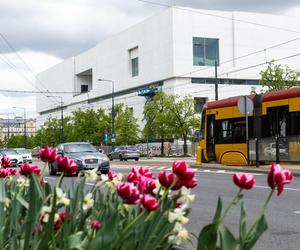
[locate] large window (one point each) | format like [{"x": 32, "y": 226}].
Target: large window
[
  {"x": 199, "y": 103},
  {"x": 205, "y": 51}
]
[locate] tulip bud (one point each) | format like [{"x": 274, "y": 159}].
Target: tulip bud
[
  {"x": 48, "y": 154},
  {"x": 243, "y": 180},
  {"x": 166, "y": 179},
  {"x": 27, "y": 169},
  {"x": 180, "y": 168},
  {"x": 150, "y": 203},
  {"x": 95, "y": 224}
]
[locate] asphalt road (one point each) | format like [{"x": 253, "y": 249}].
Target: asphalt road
[{"x": 283, "y": 213}]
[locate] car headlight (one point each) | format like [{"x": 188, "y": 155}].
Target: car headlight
[
  {"x": 105, "y": 158},
  {"x": 78, "y": 162}
]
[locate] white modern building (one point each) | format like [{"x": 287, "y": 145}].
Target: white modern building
[{"x": 175, "y": 51}]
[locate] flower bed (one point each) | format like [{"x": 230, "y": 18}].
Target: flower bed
[{"x": 137, "y": 211}]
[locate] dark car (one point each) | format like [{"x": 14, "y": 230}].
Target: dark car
[
  {"x": 125, "y": 153},
  {"x": 84, "y": 154}
]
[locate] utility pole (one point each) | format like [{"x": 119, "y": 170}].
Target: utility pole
[{"x": 216, "y": 80}]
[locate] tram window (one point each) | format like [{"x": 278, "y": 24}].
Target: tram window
[
  {"x": 293, "y": 127},
  {"x": 275, "y": 123}
]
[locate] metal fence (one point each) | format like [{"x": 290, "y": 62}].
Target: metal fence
[{"x": 274, "y": 149}]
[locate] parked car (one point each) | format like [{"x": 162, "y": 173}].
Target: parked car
[
  {"x": 26, "y": 154},
  {"x": 16, "y": 159},
  {"x": 125, "y": 153},
  {"x": 36, "y": 152},
  {"x": 84, "y": 154}
]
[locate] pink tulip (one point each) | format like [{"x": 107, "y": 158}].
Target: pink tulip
[
  {"x": 146, "y": 185},
  {"x": 166, "y": 179},
  {"x": 63, "y": 216},
  {"x": 48, "y": 154},
  {"x": 128, "y": 192},
  {"x": 112, "y": 175},
  {"x": 5, "y": 162},
  {"x": 243, "y": 180},
  {"x": 12, "y": 171},
  {"x": 133, "y": 176},
  {"x": 146, "y": 172},
  {"x": 149, "y": 202},
  {"x": 191, "y": 183},
  {"x": 66, "y": 165},
  {"x": 278, "y": 177},
  {"x": 27, "y": 169},
  {"x": 95, "y": 224},
  {"x": 180, "y": 168},
  {"x": 4, "y": 173}
]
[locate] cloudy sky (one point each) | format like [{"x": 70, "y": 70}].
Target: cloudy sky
[{"x": 36, "y": 34}]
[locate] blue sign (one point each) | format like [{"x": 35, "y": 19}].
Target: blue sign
[
  {"x": 105, "y": 136},
  {"x": 113, "y": 136}
]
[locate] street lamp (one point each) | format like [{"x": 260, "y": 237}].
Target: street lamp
[
  {"x": 61, "y": 117},
  {"x": 112, "y": 110},
  {"x": 25, "y": 134}
]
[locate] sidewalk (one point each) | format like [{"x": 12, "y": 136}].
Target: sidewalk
[{"x": 294, "y": 168}]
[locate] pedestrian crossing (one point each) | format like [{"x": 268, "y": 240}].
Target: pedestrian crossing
[{"x": 167, "y": 168}]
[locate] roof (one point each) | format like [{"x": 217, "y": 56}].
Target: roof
[{"x": 267, "y": 97}]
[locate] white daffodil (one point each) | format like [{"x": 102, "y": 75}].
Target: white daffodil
[
  {"x": 173, "y": 239},
  {"x": 183, "y": 234},
  {"x": 9, "y": 180},
  {"x": 185, "y": 196},
  {"x": 104, "y": 177},
  {"x": 22, "y": 182},
  {"x": 62, "y": 197},
  {"x": 177, "y": 215},
  {"x": 88, "y": 202},
  {"x": 7, "y": 202},
  {"x": 180, "y": 235},
  {"x": 91, "y": 175}
]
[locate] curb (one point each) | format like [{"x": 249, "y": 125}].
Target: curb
[{"x": 239, "y": 169}]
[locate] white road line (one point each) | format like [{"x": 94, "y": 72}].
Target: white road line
[
  {"x": 296, "y": 212},
  {"x": 285, "y": 188},
  {"x": 51, "y": 178}
]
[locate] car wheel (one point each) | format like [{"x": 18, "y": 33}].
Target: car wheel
[
  {"x": 125, "y": 159},
  {"x": 110, "y": 157},
  {"x": 51, "y": 170},
  {"x": 121, "y": 157},
  {"x": 136, "y": 159}
]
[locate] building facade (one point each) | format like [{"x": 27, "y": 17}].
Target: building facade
[
  {"x": 174, "y": 51},
  {"x": 15, "y": 126}
]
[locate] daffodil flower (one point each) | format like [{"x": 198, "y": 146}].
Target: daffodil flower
[
  {"x": 61, "y": 197},
  {"x": 91, "y": 175},
  {"x": 88, "y": 202},
  {"x": 22, "y": 182}
]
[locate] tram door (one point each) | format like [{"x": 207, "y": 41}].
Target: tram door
[{"x": 211, "y": 133}]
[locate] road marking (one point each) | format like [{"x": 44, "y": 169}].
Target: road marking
[
  {"x": 285, "y": 188},
  {"x": 51, "y": 178},
  {"x": 296, "y": 212}
]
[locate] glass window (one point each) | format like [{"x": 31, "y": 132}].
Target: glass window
[
  {"x": 205, "y": 51},
  {"x": 135, "y": 67},
  {"x": 199, "y": 103}
]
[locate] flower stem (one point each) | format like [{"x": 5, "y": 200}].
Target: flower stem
[
  {"x": 58, "y": 184},
  {"x": 262, "y": 210},
  {"x": 234, "y": 200}
]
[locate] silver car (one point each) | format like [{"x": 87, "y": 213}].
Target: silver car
[
  {"x": 125, "y": 153},
  {"x": 15, "y": 158},
  {"x": 26, "y": 154},
  {"x": 85, "y": 155}
]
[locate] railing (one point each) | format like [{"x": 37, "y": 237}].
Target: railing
[{"x": 274, "y": 149}]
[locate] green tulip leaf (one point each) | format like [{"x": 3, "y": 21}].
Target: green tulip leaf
[
  {"x": 228, "y": 241},
  {"x": 207, "y": 238},
  {"x": 218, "y": 210},
  {"x": 243, "y": 225}
]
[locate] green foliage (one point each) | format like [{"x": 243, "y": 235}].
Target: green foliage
[{"x": 277, "y": 77}]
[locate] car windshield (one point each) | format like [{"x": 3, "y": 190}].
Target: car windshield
[
  {"x": 9, "y": 152},
  {"x": 77, "y": 148},
  {"x": 23, "y": 151}
]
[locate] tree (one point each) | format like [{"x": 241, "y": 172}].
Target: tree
[
  {"x": 16, "y": 141},
  {"x": 277, "y": 77},
  {"x": 127, "y": 128},
  {"x": 156, "y": 114},
  {"x": 182, "y": 117}
]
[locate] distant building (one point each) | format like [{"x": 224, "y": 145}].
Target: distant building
[
  {"x": 15, "y": 126},
  {"x": 174, "y": 51}
]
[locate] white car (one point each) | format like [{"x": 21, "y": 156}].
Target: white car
[
  {"x": 26, "y": 154},
  {"x": 16, "y": 159}
]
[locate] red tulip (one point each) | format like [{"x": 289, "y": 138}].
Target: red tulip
[
  {"x": 27, "y": 169},
  {"x": 180, "y": 168},
  {"x": 12, "y": 171},
  {"x": 243, "y": 180},
  {"x": 178, "y": 184},
  {"x": 149, "y": 202},
  {"x": 128, "y": 192},
  {"x": 5, "y": 162},
  {"x": 66, "y": 165},
  {"x": 133, "y": 176},
  {"x": 166, "y": 179},
  {"x": 57, "y": 224},
  {"x": 4, "y": 173},
  {"x": 112, "y": 175},
  {"x": 278, "y": 177},
  {"x": 40, "y": 229},
  {"x": 48, "y": 154},
  {"x": 146, "y": 185},
  {"x": 95, "y": 224},
  {"x": 62, "y": 216},
  {"x": 191, "y": 183},
  {"x": 146, "y": 172}
]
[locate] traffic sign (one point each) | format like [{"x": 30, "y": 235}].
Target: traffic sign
[
  {"x": 113, "y": 136},
  {"x": 106, "y": 137},
  {"x": 245, "y": 105}
]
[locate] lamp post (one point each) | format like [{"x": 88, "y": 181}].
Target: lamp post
[
  {"x": 61, "y": 116},
  {"x": 25, "y": 132},
  {"x": 112, "y": 110}
]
